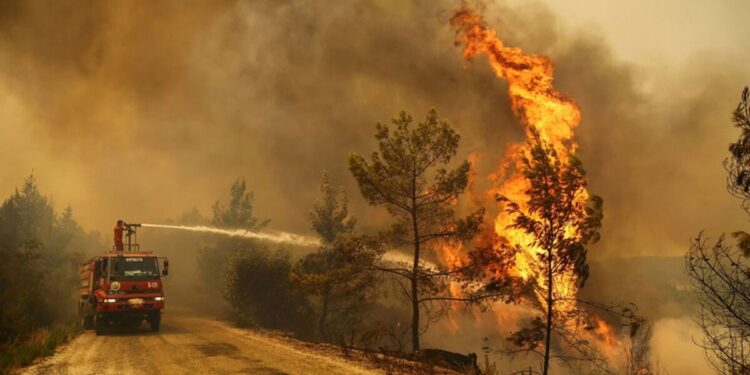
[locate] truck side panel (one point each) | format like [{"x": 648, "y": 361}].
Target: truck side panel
[{"x": 87, "y": 279}]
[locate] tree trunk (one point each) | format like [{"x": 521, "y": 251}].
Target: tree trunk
[
  {"x": 324, "y": 314},
  {"x": 550, "y": 300},
  {"x": 415, "y": 289},
  {"x": 415, "y": 269}
]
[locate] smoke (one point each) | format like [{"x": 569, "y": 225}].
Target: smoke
[
  {"x": 280, "y": 237},
  {"x": 123, "y": 113},
  {"x": 676, "y": 350}
]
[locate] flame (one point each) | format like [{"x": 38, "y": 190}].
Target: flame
[
  {"x": 611, "y": 345},
  {"x": 451, "y": 254},
  {"x": 539, "y": 106},
  {"x": 533, "y": 98},
  {"x": 604, "y": 332},
  {"x": 554, "y": 117}
]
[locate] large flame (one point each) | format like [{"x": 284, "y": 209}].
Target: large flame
[
  {"x": 554, "y": 116},
  {"x": 539, "y": 106}
]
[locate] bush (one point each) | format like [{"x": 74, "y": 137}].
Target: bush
[{"x": 259, "y": 289}]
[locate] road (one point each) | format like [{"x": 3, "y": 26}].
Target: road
[{"x": 190, "y": 344}]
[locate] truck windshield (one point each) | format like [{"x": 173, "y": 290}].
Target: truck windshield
[{"x": 125, "y": 268}]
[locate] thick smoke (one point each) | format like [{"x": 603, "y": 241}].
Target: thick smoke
[{"x": 144, "y": 110}]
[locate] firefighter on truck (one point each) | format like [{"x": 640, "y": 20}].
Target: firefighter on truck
[{"x": 119, "y": 228}]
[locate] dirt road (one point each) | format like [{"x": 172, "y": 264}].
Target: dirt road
[{"x": 190, "y": 345}]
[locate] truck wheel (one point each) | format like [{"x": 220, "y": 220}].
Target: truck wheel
[
  {"x": 99, "y": 326},
  {"x": 88, "y": 322},
  {"x": 155, "y": 321}
]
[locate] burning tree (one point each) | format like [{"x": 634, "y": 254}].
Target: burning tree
[
  {"x": 559, "y": 220},
  {"x": 547, "y": 217},
  {"x": 720, "y": 273},
  {"x": 409, "y": 177}
]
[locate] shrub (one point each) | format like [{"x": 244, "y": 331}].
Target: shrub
[{"x": 260, "y": 292}]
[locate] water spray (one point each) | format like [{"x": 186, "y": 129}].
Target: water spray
[
  {"x": 283, "y": 237},
  {"x": 277, "y": 237}
]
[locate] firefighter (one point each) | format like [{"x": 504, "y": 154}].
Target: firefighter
[{"x": 119, "y": 228}]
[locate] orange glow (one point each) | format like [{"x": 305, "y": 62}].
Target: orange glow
[
  {"x": 450, "y": 253},
  {"x": 607, "y": 341},
  {"x": 537, "y": 104},
  {"x": 604, "y": 332},
  {"x": 554, "y": 116}
]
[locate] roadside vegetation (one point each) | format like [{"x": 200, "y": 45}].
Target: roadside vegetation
[
  {"x": 41, "y": 250},
  {"x": 38, "y": 343}
]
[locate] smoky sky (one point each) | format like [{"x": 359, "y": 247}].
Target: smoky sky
[{"x": 144, "y": 110}]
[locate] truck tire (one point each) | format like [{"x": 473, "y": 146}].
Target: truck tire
[
  {"x": 99, "y": 326},
  {"x": 155, "y": 322},
  {"x": 88, "y": 322}
]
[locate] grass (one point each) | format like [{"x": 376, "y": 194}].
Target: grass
[{"x": 39, "y": 343}]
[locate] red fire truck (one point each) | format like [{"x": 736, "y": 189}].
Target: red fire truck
[{"x": 122, "y": 288}]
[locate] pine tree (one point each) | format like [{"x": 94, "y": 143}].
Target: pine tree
[
  {"x": 409, "y": 176},
  {"x": 342, "y": 285},
  {"x": 561, "y": 222}
]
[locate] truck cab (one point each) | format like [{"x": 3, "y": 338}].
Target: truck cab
[{"x": 122, "y": 288}]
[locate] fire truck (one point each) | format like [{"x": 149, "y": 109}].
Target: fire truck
[{"x": 122, "y": 287}]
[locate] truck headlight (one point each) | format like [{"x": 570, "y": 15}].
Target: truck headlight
[
  {"x": 158, "y": 298},
  {"x": 110, "y": 300}
]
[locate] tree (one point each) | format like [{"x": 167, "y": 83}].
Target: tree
[
  {"x": 237, "y": 214},
  {"x": 408, "y": 177},
  {"x": 560, "y": 221},
  {"x": 41, "y": 251},
  {"x": 343, "y": 288},
  {"x": 720, "y": 276},
  {"x": 720, "y": 273},
  {"x": 738, "y": 163},
  {"x": 256, "y": 281},
  {"x": 330, "y": 216}
]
